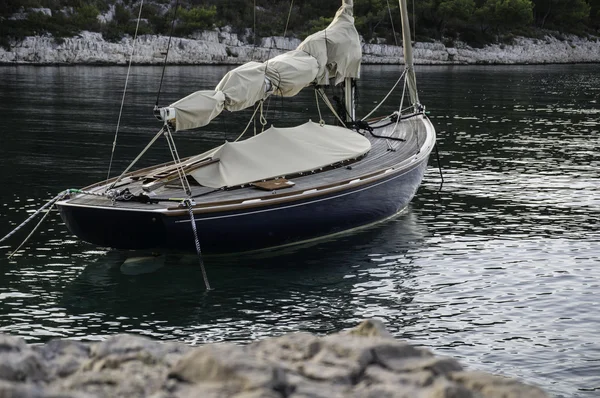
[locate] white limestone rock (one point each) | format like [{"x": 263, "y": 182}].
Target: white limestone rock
[
  {"x": 363, "y": 362},
  {"x": 222, "y": 46}
]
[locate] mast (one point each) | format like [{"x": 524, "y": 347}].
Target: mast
[
  {"x": 408, "y": 58},
  {"x": 349, "y": 82},
  {"x": 349, "y": 99}
]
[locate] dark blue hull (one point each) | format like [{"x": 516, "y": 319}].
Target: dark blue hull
[{"x": 253, "y": 228}]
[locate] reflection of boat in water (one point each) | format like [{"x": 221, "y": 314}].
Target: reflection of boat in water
[
  {"x": 281, "y": 186},
  {"x": 325, "y": 272}
]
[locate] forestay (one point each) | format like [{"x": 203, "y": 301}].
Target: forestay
[
  {"x": 279, "y": 152},
  {"x": 331, "y": 53}
]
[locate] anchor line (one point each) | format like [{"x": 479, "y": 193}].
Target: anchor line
[{"x": 188, "y": 203}]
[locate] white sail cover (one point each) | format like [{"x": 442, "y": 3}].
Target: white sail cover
[
  {"x": 334, "y": 52},
  {"x": 337, "y": 48},
  {"x": 279, "y": 152}
]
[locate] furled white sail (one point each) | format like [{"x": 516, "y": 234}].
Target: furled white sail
[
  {"x": 337, "y": 48},
  {"x": 331, "y": 53},
  {"x": 279, "y": 152}
]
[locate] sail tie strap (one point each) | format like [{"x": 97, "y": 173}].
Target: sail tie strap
[{"x": 188, "y": 203}]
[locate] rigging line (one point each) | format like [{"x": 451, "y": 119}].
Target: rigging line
[
  {"x": 254, "y": 33},
  {"x": 136, "y": 159},
  {"x": 288, "y": 18},
  {"x": 185, "y": 184},
  {"x": 321, "y": 121},
  {"x": 414, "y": 22},
  {"x": 162, "y": 76},
  {"x": 386, "y": 97},
  {"x": 392, "y": 22},
  {"x": 114, "y": 145},
  {"x": 330, "y": 106},
  {"x": 400, "y": 110}
]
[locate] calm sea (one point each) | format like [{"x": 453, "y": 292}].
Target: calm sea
[{"x": 501, "y": 269}]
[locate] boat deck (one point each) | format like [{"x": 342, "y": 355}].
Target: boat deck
[{"x": 384, "y": 154}]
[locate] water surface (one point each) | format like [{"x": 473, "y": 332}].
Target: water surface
[{"x": 500, "y": 269}]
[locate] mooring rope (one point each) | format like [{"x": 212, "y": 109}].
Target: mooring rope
[
  {"x": 437, "y": 155},
  {"x": 188, "y": 203},
  {"x": 38, "y": 211},
  {"x": 49, "y": 204}
]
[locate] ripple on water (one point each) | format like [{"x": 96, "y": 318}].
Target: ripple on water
[{"x": 499, "y": 269}]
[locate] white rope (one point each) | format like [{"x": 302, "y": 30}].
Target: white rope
[
  {"x": 400, "y": 107},
  {"x": 330, "y": 106},
  {"x": 247, "y": 126},
  {"x": 112, "y": 154},
  {"x": 321, "y": 121},
  {"x": 386, "y": 97},
  {"x": 262, "y": 118}
]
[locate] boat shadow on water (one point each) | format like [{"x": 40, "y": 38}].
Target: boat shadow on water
[{"x": 174, "y": 290}]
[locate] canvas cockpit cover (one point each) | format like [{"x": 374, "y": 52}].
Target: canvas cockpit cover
[{"x": 278, "y": 152}]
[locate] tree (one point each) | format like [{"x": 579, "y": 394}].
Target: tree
[
  {"x": 561, "y": 14},
  {"x": 195, "y": 19},
  {"x": 455, "y": 13},
  {"x": 503, "y": 15},
  {"x": 595, "y": 14}
]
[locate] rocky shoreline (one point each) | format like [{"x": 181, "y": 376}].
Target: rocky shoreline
[
  {"x": 221, "y": 46},
  {"x": 362, "y": 362}
]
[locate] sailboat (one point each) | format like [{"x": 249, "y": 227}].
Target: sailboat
[{"x": 283, "y": 186}]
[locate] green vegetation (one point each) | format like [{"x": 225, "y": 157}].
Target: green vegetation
[{"x": 474, "y": 21}]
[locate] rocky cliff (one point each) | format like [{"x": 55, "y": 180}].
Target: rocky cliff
[
  {"x": 363, "y": 362},
  {"x": 223, "y": 47}
]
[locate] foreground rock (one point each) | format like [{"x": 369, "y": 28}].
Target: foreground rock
[
  {"x": 363, "y": 362},
  {"x": 223, "y": 47}
]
